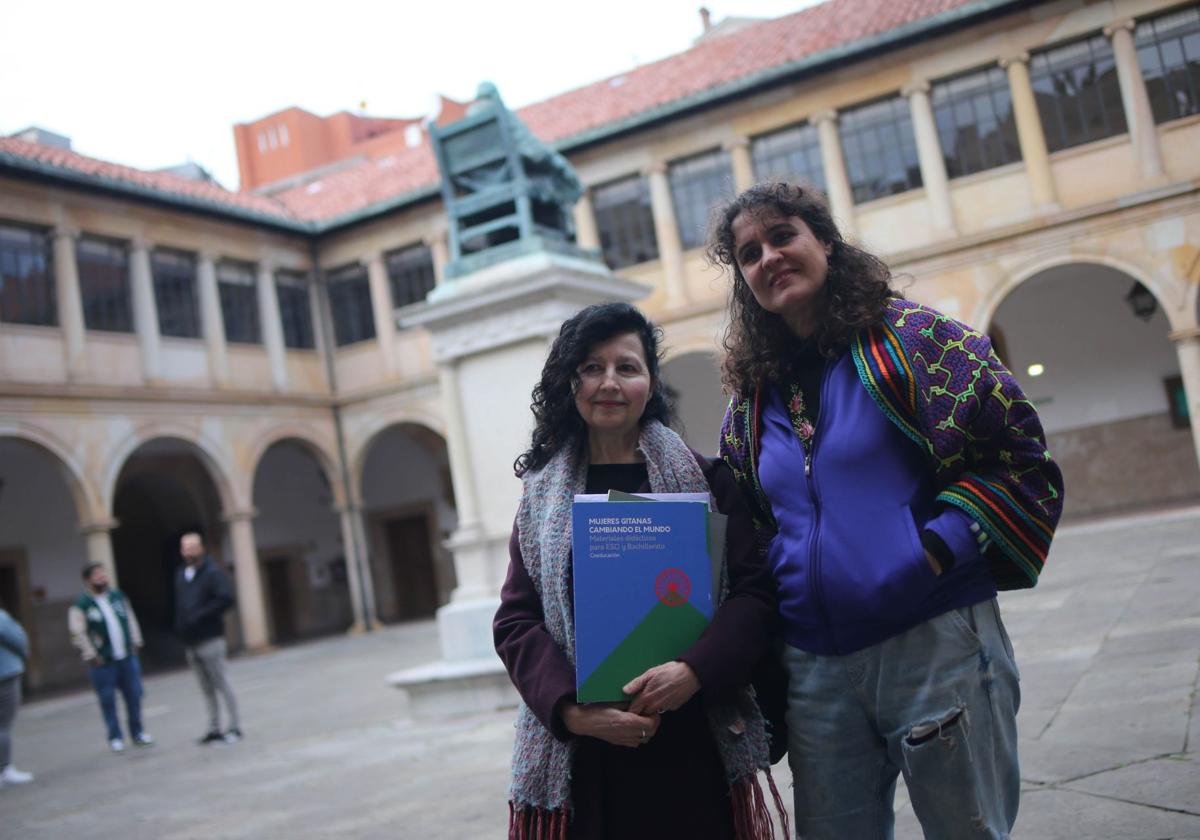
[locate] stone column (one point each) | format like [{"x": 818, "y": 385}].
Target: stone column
[
  {"x": 1187, "y": 346},
  {"x": 145, "y": 310},
  {"x": 97, "y": 537},
  {"x": 742, "y": 163},
  {"x": 70, "y": 302},
  {"x": 271, "y": 325},
  {"x": 666, "y": 230},
  {"x": 211, "y": 319},
  {"x": 586, "y": 234},
  {"x": 251, "y": 604},
  {"x": 1029, "y": 132},
  {"x": 1138, "y": 115},
  {"x": 436, "y": 243},
  {"x": 929, "y": 152},
  {"x": 362, "y": 597},
  {"x": 837, "y": 182},
  {"x": 381, "y": 307},
  {"x": 472, "y": 577}
]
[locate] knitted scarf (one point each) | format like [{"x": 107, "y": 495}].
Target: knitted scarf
[{"x": 539, "y": 797}]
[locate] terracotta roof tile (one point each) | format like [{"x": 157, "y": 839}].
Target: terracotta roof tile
[
  {"x": 158, "y": 182},
  {"x": 709, "y": 65}
]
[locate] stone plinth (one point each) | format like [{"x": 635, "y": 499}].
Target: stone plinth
[{"x": 491, "y": 331}]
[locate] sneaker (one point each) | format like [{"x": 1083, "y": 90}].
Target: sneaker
[
  {"x": 12, "y": 776},
  {"x": 116, "y": 745},
  {"x": 211, "y": 737},
  {"x": 143, "y": 739},
  {"x": 233, "y": 736}
]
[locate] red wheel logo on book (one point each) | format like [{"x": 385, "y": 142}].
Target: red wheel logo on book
[{"x": 673, "y": 587}]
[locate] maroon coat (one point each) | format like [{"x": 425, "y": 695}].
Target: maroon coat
[{"x": 674, "y": 785}]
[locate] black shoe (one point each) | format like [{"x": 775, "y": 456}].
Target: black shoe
[
  {"x": 212, "y": 737},
  {"x": 233, "y": 736}
]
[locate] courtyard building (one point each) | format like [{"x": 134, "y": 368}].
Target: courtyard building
[{"x": 174, "y": 355}]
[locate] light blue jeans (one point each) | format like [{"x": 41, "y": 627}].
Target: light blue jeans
[{"x": 937, "y": 703}]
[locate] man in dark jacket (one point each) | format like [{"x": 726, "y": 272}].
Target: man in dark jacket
[{"x": 202, "y": 596}]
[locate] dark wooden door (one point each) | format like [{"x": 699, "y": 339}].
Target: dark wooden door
[
  {"x": 281, "y": 598},
  {"x": 411, "y": 556}
]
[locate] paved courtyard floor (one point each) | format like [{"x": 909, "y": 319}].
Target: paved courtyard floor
[{"x": 1108, "y": 646}]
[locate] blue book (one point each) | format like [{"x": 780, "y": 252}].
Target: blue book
[{"x": 643, "y": 589}]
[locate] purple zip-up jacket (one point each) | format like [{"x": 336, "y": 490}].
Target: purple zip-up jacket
[
  {"x": 848, "y": 556},
  {"x": 921, "y": 428}
]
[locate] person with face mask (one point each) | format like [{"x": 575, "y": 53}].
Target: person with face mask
[{"x": 106, "y": 633}]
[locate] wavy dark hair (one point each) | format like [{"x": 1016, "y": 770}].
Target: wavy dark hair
[
  {"x": 857, "y": 288},
  {"x": 556, "y": 420}
]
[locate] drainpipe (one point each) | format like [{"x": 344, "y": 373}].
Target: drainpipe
[{"x": 329, "y": 343}]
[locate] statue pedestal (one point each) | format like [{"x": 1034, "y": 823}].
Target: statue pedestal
[{"x": 491, "y": 332}]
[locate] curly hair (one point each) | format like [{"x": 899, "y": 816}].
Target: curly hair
[
  {"x": 556, "y": 420},
  {"x": 857, "y": 288}
]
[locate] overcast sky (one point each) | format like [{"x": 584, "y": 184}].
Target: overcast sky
[{"x": 151, "y": 83}]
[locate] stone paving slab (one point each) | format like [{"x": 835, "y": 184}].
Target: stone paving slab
[{"x": 1108, "y": 647}]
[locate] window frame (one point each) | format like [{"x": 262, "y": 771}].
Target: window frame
[
  {"x": 865, "y": 185},
  {"x": 695, "y": 198},
  {"x": 762, "y": 160},
  {"x": 189, "y": 315},
  {"x": 350, "y": 285},
  {"x": 1146, "y": 39},
  {"x": 296, "y": 317},
  {"x": 950, "y": 103},
  {"x": 620, "y": 229},
  {"x": 119, "y": 315},
  {"x": 1055, "y": 127},
  {"x": 411, "y": 273},
  {"x": 237, "y": 289},
  {"x": 43, "y": 293}
]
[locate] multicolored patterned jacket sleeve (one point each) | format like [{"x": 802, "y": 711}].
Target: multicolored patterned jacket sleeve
[
  {"x": 940, "y": 382},
  {"x": 739, "y": 449}
]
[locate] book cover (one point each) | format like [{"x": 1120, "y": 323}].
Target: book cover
[{"x": 643, "y": 589}]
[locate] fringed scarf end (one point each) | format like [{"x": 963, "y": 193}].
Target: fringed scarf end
[
  {"x": 751, "y": 816},
  {"x": 526, "y": 822}
]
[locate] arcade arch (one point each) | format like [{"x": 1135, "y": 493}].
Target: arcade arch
[
  {"x": 299, "y": 543},
  {"x": 407, "y": 503},
  {"x": 164, "y": 488},
  {"x": 42, "y": 550},
  {"x": 695, "y": 378},
  {"x": 1103, "y": 378}
]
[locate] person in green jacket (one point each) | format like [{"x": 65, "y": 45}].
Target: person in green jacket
[{"x": 106, "y": 633}]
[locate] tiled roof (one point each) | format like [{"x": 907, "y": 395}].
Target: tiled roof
[
  {"x": 755, "y": 53},
  {"x": 201, "y": 194}
]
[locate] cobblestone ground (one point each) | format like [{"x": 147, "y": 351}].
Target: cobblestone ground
[{"x": 1108, "y": 646}]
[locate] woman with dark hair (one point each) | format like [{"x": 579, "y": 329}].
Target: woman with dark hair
[
  {"x": 898, "y": 478},
  {"x": 681, "y": 758}
]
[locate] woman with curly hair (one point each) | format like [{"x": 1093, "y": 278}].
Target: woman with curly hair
[
  {"x": 680, "y": 759},
  {"x": 898, "y": 478}
]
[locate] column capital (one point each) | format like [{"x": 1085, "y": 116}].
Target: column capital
[
  {"x": 659, "y": 167},
  {"x": 1185, "y": 335},
  {"x": 240, "y": 515},
  {"x": 1019, "y": 57},
  {"x": 209, "y": 256},
  {"x": 828, "y": 115},
  {"x": 739, "y": 142},
  {"x": 1128, "y": 24},
  {"x": 141, "y": 242},
  {"x": 915, "y": 87},
  {"x": 63, "y": 230},
  {"x": 98, "y": 526}
]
